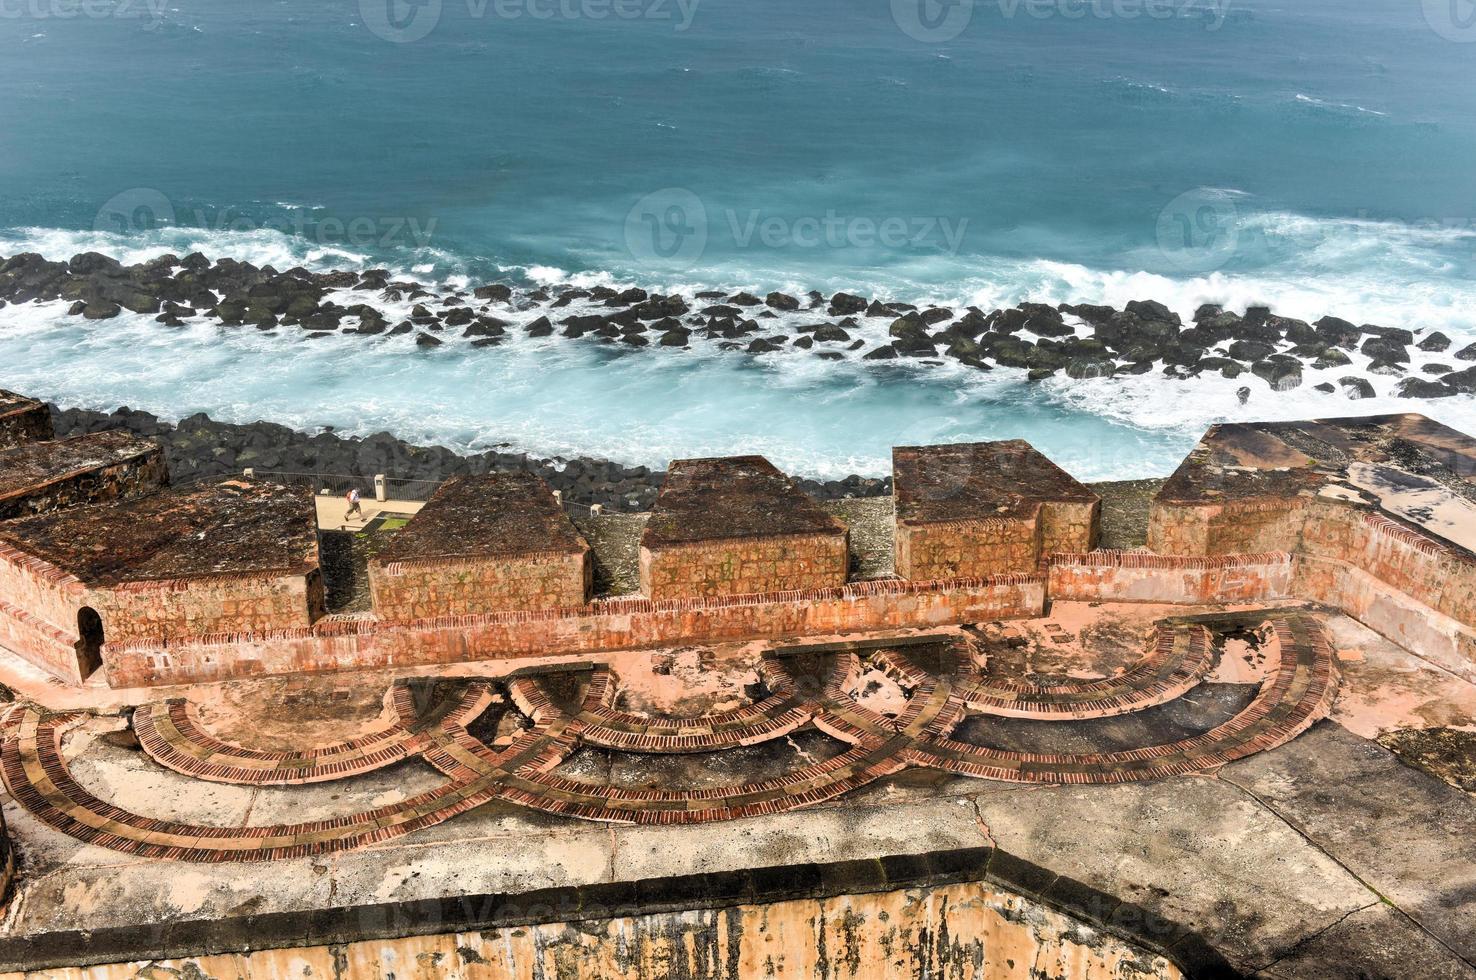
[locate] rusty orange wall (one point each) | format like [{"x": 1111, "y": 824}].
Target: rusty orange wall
[
  {"x": 465, "y": 587},
  {"x": 1069, "y": 527},
  {"x": 745, "y": 566},
  {"x": 183, "y": 608},
  {"x": 958, "y": 932},
  {"x": 966, "y": 548},
  {"x": 1130, "y": 576},
  {"x": 38, "y": 613},
  {"x": 1240, "y": 528},
  {"x": 351, "y": 642}
]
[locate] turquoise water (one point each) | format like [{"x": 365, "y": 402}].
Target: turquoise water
[{"x": 1315, "y": 156}]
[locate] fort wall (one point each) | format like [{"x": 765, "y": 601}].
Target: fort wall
[
  {"x": 741, "y": 566},
  {"x": 364, "y": 641},
  {"x": 22, "y": 421},
  {"x": 412, "y": 590},
  {"x": 980, "y": 546},
  {"x": 1132, "y": 576}
]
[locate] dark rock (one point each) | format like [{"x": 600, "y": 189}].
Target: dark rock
[
  {"x": 1421, "y": 388},
  {"x": 1397, "y": 335},
  {"x": 844, "y": 304},
  {"x": 1435, "y": 342},
  {"x": 1461, "y": 381},
  {"x": 1356, "y": 388},
  {"x": 1228, "y": 368},
  {"x": 781, "y": 301},
  {"x": 1436, "y": 369},
  {"x": 1385, "y": 368},
  {"x": 496, "y": 292},
  {"x": 880, "y": 354},
  {"x": 101, "y": 310},
  {"x": 1325, "y": 387},
  {"x": 1338, "y": 332},
  {"x": 426, "y": 340},
  {"x": 1152, "y": 310},
  {"x": 1251, "y": 350},
  {"x": 765, "y": 345},
  {"x": 540, "y": 327},
  {"x": 1281, "y": 374},
  {"x": 829, "y": 333},
  {"x": 1467, "y": 353},
  {"x": 744, "y": 299},
  {"x": 1332, "y": 357},
  {"x": 1384, "y": 349}
]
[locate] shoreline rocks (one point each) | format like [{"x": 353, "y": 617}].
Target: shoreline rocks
[
  {"x": 198, "y": 448},
  {"x": 1077, "y": 341}
]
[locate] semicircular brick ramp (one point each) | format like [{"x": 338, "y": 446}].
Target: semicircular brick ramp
[
  {"x": 1295, "y": 696},
  {"x": 1182, "y": 655},
  {"x": 775, "y": 716},
  {"x": 171, "y": 735},
  {"x": 37, "y": 776}
]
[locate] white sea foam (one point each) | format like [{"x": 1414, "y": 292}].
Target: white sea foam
[{"x": 824, "y": 418}]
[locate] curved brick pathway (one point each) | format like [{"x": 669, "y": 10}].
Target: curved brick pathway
[
  {"x": 171, "y": 736},
  {"x": 1182, "y": 655},
  {"x": 774, "y": 717},
  {"x": 38, "y": 777},
  {"x": 1299, "y": 693},
  {"x": 519, "y": 767}
]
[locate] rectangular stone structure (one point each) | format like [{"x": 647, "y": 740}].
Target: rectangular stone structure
[
  {"x": 483, "y": 544},
  {"x": 211, "y": 561},
  {"x": 736, "y": 525},
  {"x": 100, "y": 467},
  {"x": 22, "y": 420},
  {"x": 969, "y": 510}
]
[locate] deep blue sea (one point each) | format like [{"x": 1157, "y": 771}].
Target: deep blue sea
[{"x": 1310, "y": 154}]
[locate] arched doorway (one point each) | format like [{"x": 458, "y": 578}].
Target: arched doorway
[{"x": 90, "y": 641}]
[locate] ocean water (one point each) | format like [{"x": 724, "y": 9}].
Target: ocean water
[{"x": 1314, "y": 156}]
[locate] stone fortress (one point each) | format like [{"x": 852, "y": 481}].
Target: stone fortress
[{"x": 444, "y": 758}]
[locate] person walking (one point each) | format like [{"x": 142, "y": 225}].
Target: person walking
[{"x": 353, "y": 505}]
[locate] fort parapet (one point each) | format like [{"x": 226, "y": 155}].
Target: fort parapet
[
  {"x": 22, "y": 420},
  {"x": 483, "y": 544},
  {"x": 1373, "y": 516},
  {"x": 986, "y": 508},
  {"x": 37, "y": 477},
  {"x": 737, "y": 526}
]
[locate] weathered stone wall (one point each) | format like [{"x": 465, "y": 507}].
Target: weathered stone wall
[
  {"x": 961, "y": 931},
  {"x": 1236, "y": 528},
  {"x": 744, "y": 566},
  {"x": 364, "y": 641},
  {"x": 25, "y": 424},
  {"x": 984, "y": 546},
  {"x": 38, "y": 614},
  {"x": 132, "y": 478},
  {"x": 411, "y": 590},
  {"x": 1132, "y": 576},
  {"x": 1069, "y": 526},
  {"x": 180, "y": 609}
]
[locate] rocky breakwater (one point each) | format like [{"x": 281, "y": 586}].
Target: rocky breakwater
[
  {"x": 199, "y": 448},
  {"x": 1080, "y": 341}
]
